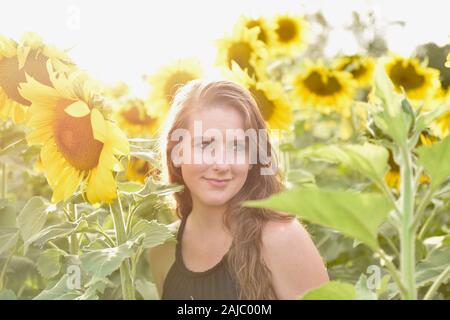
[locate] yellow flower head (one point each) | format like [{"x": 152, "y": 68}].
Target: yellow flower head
[
  {"x": 78, "y": 144},
  {"x": 360, "y": 67},
  {"x": 291, "y": 34},
  {"x": 266, "y": 28},
  {"x": 441, "y": 126},
  {"x": 116, "y": 91},
  {"x": 133, "y": 117},
  {"x": 242, "y": 47},
  {"x": 168, "y": 79},
  {"x": 28, "y": 56},
  {"x": 323, "y": 88},
  {"x": 138, "y": 169},
  {"x": 270, "y": 96},
  {"x": 419, "y": 82}
]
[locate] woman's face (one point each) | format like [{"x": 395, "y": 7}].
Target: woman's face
[{"x": 216, "y": 178}]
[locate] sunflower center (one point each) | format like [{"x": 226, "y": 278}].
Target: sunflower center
[
  {"x": 75, "y": 139},
  {"x": 133, "y": 115},
  {"x": 262, "y": 34},
  {"x": 356, "y": 68},
  {"x": 406, "y": 76},
  {"x": 286, "y": 30},
  {"x": 322, "y": 85},
  {"x": 265, "y": 105},
  {"x": 11, "y": 76},
  {"x": 141, "y": 167},
  {"x": 175, "y": 81},
  {"x": 241, "y": 53}
]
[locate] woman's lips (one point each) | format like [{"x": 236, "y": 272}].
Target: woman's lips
[{"x": 217, "y": 182}]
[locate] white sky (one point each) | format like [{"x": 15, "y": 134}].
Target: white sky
[{"x": 122, "y": 40}]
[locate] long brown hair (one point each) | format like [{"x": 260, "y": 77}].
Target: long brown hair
[{"x": 245, "y": 258}]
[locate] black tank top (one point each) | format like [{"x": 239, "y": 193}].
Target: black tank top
[{"x": 181, "y": 283}]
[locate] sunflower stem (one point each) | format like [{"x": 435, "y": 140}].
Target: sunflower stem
[
  {"x": 121, "y": 238},
  {"x": 74, "y": 247},
  {"x": 407, "y": 231}
]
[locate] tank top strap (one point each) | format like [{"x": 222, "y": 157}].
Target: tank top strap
[{"x": 180, "y": 236}]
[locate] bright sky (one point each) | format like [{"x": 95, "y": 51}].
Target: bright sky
[{"x": 122, "y": 40}]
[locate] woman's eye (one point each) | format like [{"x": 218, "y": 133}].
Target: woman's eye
[{"x": 202, "y": 145}]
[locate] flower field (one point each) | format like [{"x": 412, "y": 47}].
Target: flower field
[{"x": 363, "y": 142}]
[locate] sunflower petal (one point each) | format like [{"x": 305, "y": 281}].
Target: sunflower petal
[
  {"x": 38, "y": 137},
  {"x": 119, "y": 140},
  {"x": 78, "y": 109},
  {"x": 101, "y": 186},
  {"x": 22, "y": 55},
  {"x": 99, "y": 126},
  {"x": 38, "y": 93}
]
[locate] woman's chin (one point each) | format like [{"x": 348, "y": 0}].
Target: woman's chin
[{"x": 215, "y": 200}]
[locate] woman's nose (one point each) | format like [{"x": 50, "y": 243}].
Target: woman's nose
[{"x": 220, "y": 159}]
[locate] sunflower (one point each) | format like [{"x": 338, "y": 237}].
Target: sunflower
[
  {"x": 270, "y": 96},
  {"x": 419, "y": 82},
  {"x": 29, "y": 56},
  {"x": 116, "y": 91},
  {"x": 138, "y": 169},
  {"x": 360, "y": 67},
  {"x": 323, "y": 87},
  {"x": 266, "y": 28},
  {"x": 78, "y": 144},
  {"x": 442, "y": 124},
  {"x": 392, "y": 177},
  {"x": 290, "y": 34},
  {"x": 168, "y": 79},
  {"x": 133, "y": 117},
  {"x": 242, "y": 47},
  {"x": 447, "y": 63}
]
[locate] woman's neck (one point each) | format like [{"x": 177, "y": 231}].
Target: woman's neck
[{"x": 207, "y": 219}]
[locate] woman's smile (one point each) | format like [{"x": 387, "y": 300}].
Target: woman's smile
[{"x": 217, "y": 182}]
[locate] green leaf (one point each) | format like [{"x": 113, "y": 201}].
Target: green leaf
[
  {"x": 8, "y": 216},
  {"x": 391, "y": 119},
  {"x": 362, "y": 289},
  {"x": 432, "y": 266},
  {"x": 146, "y": 289},
  {"x": 7, "y": 295},
  {"x": 49, "y": 262},
  {"x": 384, "y": 88},
  {"x": 332, "y": 290},
  {"x": 435, "y": 160},
  {"x": 59, "y": 291},
  {"x": 56, "y": 231},
  {"x": 146, "y": 155},
  {"x": 91, "y": 293},
  {"x": 8, "y": 238},
  {"x": 369, "y": 159},
  {"x": 32, "y": 217},
  {"x": 425, "y": 118},
  {"x": 154, "y": 233},
  {"x": 130, "y": 186},
  {"x": 101, "y": 263},
  {"x": 357, "y": 215}
]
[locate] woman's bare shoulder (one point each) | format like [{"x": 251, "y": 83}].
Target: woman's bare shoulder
[{"x": 292, "y": 257}]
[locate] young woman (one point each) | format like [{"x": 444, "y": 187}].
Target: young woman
[{"x": 224, "y": 250}]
